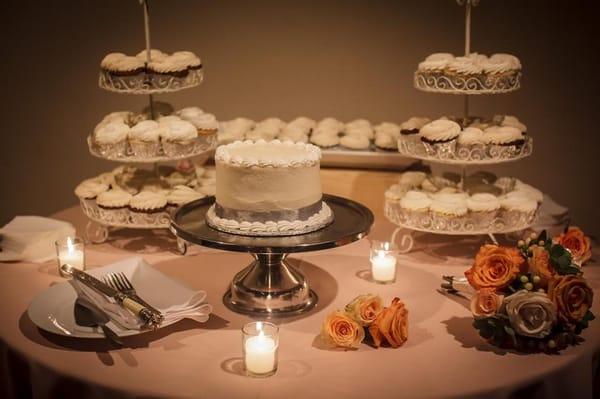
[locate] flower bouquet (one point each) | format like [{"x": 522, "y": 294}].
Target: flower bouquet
[
  {"x": 533, "y": 297},
  {"x": 366, "y": 318}
]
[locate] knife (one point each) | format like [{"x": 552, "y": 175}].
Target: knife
[
  {"x": 87, "y": 314},
  {"x": 149, "y": 318}
]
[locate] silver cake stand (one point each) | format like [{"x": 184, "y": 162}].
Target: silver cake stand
[{"x": 270, "y": 286}]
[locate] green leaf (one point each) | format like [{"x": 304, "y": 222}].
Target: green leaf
[
  {"x": 512, "y": 335},
  {"x": 589, "y": 316}
]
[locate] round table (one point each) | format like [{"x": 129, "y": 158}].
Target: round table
[{"x": 444, "y": 356}]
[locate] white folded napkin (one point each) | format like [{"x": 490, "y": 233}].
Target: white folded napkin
[
  {"x": 32, "y": 238},
  {"x": 172, "y": 298}
]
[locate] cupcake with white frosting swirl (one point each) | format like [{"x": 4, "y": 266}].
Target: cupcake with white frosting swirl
[
  {"x": 517, "y": 208},
  {"x": 504, "y": 139},
  {"x": 148, "y": 202},
  {"x": 144, "y": 139},
  {"x": 484, "y": 208},
  {"x": 448, "y": 208},
  {"x": 178, "y": 137},
  {"x": 439, "y": 137},
  {"x": 113, "y": 205},
  {"x": 111, "y": 139}
]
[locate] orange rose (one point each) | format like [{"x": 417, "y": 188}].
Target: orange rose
[
  {"x": 495, "y": 267},
  {"x": 485, "y": 303},
  {"x": 577, "y": 243},
  {"x": 539, "y": 265},
  {"x": 572, "y": 297},
  {"x": 364, "y": 309},
  {"x": 391, "y": 325},
  {"x": 341, "y": 330}
]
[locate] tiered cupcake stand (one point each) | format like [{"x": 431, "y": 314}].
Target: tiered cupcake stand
[
  {"x": 101, "y": 223},
  {"x": 463, "y": 157}
]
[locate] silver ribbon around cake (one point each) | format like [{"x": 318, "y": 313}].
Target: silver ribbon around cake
[{"x": 252, "y": 216}]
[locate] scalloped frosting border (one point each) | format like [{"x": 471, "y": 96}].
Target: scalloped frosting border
[{"x": 223, "y": 154}]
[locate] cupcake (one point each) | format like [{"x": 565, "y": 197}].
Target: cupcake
[
  {"x": 305, "y": 123},
  {"x": 331, "y": 124},
  {"x": 439, "y": 137},
  {"x": 386, "y": 141},
  {"x": 190, "y": 113},
  {"x": 528, "y": 191},
  {"x": 415, "y": 201},
  {"x": 483, "y": 208},
  {"x": 118, "y": 116},
  {"x": 359, "y": 129},
  {"x": 187, "y": 58},
  {"x": 395, "y": 192},
  {"x": 165, "y": 120},
  {"x": 178, "y": 137},
  {"x": 88, "y": 190},
  {"x": 509, "y": 120},
  {"x": 113, "y": 205},
  {"x": 144, "y": 139},
  {"x": 517, "y": 209},
  {"x": 389, "y": 128},
  {"x": 503, "y": 140},
  {"x": 167, "y": 67},
  {"x": 155, "y": 55},
  {"x": 181, "y": 195},
  {"x": 206, "y": 124},
  {"x": 413, "y": 125},
  {"x": 208, "y": 190},
  {"x": 464, "y": 66},
  {"x": 111, "y": 139},
  {"x": 448, "y": 211},
  {"x": 325, "y": 138},
  {"x": 412, "y": 178},
  {"x": 436, "y": 62},
  {"x": 148, "y": 202},
  {"x": 470, "y": 143},
  {"x": 355, "y": 142},
  {"x": 119, "y": 64},
  {"x": 295, "y": 133}
]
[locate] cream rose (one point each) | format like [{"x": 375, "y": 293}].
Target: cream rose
[
  {"x": 391, "y": 325},
  {"x": 341, "y": 330},
  {"x": 364, "y": 309},
  {"x": 531, "y": 314},
  {"x": 486, "y": 303}
]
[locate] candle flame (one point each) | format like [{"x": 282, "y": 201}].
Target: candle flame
[
  {"x": 259, "y": 326},
  {"x": 70, "y": 246}
]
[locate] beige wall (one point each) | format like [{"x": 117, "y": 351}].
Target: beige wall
[{"x": 288, "y": 58}]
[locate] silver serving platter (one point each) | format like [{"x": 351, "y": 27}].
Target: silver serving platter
[{"x": 270, "y": 286}]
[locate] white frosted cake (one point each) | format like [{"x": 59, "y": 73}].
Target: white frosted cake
[{"x": 268, "y": 189}]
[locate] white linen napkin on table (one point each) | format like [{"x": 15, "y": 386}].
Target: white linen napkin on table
[
  {"x": 32, "y": 238},
  {"x": 172, "y": 298}
]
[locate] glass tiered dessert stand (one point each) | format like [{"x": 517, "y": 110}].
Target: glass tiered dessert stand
[
  {"x": 101, "y": 223},
  {"x": 409, "y": 222}
]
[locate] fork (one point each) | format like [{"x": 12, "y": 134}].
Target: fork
[{"x": 120, "y": 282}]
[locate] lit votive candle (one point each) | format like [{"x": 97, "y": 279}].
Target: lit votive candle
[
  {"x": 383, "y": 262},
  {"x": 70, "y": 250},
  {"x": 261, "y": 344}
]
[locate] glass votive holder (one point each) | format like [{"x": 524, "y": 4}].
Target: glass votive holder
[
  {"x": 383, "y": 262},
  {"x": 70, "y": 250},
  {"x": 260, "y": 342}
]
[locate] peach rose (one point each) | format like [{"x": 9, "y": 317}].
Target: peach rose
[
  {"x": 577, "y": 243},
  {"x": 391, "y": 325},
  {"x": 495, "y": 267},
  {"x": 364, "y": 309},
  {"x": 485, "y": 303},
  {"x": 341, "y": 330},
  {"x": 539, "y": 265},
  {"x": 572, "y": 297}
]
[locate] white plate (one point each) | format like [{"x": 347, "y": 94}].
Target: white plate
[{"x": 52, "y": 310}]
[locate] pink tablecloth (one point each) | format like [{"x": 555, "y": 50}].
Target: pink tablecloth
[{"x": 444, "y": 356}]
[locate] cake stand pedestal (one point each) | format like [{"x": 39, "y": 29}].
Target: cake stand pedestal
[{"x": 270, "y": 286}]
